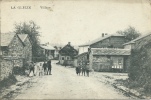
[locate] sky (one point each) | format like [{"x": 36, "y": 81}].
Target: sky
[{"x": 77, "y": 21}]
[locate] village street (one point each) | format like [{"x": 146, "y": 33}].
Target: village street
[{"x": 65, "y": 84}]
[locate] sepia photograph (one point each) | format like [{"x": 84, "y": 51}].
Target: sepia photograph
[{"x": 75, "y": 49}]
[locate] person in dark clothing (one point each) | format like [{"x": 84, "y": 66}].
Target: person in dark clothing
[
  {"x": 77, "y": 70},
  {"x": 65, "y": 63},
  {"x": 49, "y": 67},
  {"x": 45, "y": 67},
  {"x": 87, "y": 69},
  {"x": 31, "y": 68}
]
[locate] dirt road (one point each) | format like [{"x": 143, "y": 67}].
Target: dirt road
[{"x": 65, "y": 84}]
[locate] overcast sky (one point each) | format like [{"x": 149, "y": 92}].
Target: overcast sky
[{"x": 78, "y": 21}]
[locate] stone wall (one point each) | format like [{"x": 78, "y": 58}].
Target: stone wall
[
  {"x": 6, "y": 68},
  {"x": 16, "y": 49},
  {"x": 28, "y": 50}
]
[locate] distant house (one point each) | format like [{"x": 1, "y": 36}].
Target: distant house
[
  {"x": 138, "y": 42},
  {"x": 27, "y": 48},
  {"x": 56, "y": 53},
  {"x": 48, "y": 51},
  {"x": 67, "y": 54},
  {"x": 106, "y": 53},
  {"x": 11, "y": 48}
]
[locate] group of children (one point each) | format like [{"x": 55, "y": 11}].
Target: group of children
[
  {"x": 84, "y": 69},
  {"x": 43, "y": 68}
]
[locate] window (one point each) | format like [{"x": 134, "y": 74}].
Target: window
[
  {"x": 68, "y": 58},
  {"x": 119, "y": 61},
  {"x": 62, "y": 58}
]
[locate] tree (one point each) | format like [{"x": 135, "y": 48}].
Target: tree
[
  {"x": 130, "y": 33},
  {"x": 31, "y": 29}
]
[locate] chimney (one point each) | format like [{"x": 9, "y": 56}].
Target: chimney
[
  {"x": 68, "y": 43},
  {"x": 102, "y": 34}
]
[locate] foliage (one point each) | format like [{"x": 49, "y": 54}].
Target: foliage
[
  {"x": 130, "y": 33},
  {"x": 140, "y": 70},
  {"x": 8, "y": 81},
  {"x": 31, "y": 29}
]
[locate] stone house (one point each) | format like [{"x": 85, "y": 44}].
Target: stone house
[
  {"x": 27, "y": 48},
  {"x": 113, "y": 59},
  {"x": 109, "y": 59},
  {"x": 56, "y": 53},
  {"x": 67, "y": 54},
  {"x": 11, "y": 48}
]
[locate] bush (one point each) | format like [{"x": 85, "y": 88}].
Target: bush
[
  {"x": 19, "y": 70},
  {"x": 140, "y": 70},
  {"x": 8, "y": 81}
]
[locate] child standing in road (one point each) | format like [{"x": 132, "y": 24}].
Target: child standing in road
[
  {"x": 40, "y": 69},
  {"x": 31, "y": 68},
  {"x": 87, "y": 69},
  {"x": 45, "y": 68},
  {"x": 49, "y": 67}
]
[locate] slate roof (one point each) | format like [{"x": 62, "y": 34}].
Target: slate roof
[
  {"x": 99, "y": 39},
  {"x": 133, "y": 41},
  {"x": 110, "y": 51},
  {"x": 6, "y": 38},
  {"x": 68, "y": 50},
  {"x": 47, "y": 47},
  {"x": 23, "y": 36}
]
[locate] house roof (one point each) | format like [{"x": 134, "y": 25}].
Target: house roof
[
  {"x": 133, "y": 41},
  {"x": 6, "y": 38},
  {"x": 47, "y": 47},
  {"x": 110, "y": 51},
  {"x": 23, "y": 36},
  {"x": 68, "y": 50},
  {"x": 99, "y": 39}
]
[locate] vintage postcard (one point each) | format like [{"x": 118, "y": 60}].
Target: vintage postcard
[{"x": 75, "y": 49}]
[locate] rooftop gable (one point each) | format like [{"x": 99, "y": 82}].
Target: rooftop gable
[
  {"x": 100, "y": 39},
  {"x": 23, "y": 36},
  {"x": 47, "y": 47},
  {"x": 68, "y": 50},
  {"x": 7, "y": 38}
]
